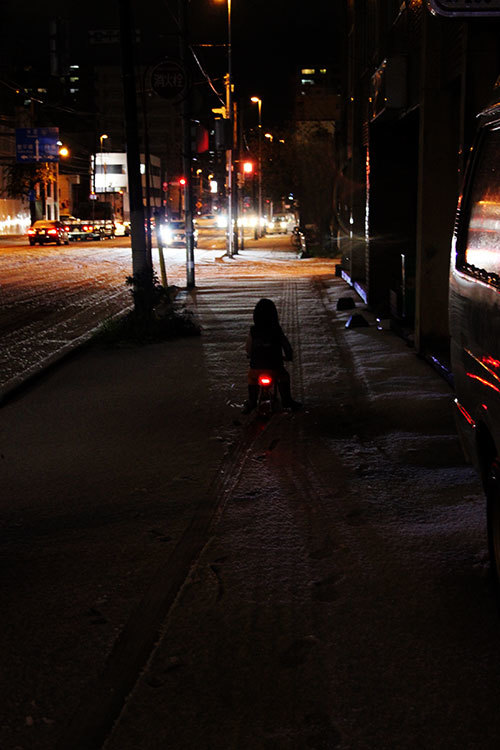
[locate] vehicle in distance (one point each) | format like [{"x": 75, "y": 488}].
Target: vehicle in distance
[
  {"x": 173, "y": 234},
  {"x": 122, "y": 228},
  {"x": 280, "y": 224},
  {"x": 47, "y": 230},
  {"x": 83, "y": 229},
  {"x": 474, "y": 309},
  {"x": 205, "y": 220}
]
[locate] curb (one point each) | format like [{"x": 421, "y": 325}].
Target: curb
[{"x": 9, "y": 389}]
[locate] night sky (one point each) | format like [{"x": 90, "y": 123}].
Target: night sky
[{"x": 271, "y": 38}]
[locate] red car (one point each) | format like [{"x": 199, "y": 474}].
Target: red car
[{"x": 48, "y": 231}]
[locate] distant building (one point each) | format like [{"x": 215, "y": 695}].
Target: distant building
[
  {"x": 14, "y": 212},
  {"x": 317, "y": 99},
  {"x": 316, "y": 114},
  {"x": 111, "y": 181}
]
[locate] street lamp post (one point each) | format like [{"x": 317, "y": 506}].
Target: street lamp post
[
  {"x": 63, "y": 152},
  {"x": 256, "y": 100},
  {"x": 229, "y": 103},
  {"x": 103, "y": 170},
  {"x": 229, "y": 115}
]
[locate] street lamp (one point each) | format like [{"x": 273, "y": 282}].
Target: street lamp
[{"x": 256, "y": 100}]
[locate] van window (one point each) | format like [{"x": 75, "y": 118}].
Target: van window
[{"x": 482, "y": 247}]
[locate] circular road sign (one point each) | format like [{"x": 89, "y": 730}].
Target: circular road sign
[{"x": 169, "y": 80}]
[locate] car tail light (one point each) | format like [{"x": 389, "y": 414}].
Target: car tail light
[
  {"x": 265, "y": 380},
  {"x": 52, "y": 231},
  {"x": 86, "y": 228},
  {"x": 31, "y": 231}
]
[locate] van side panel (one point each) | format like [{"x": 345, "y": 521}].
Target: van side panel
[{"x": 474, "y": 302}]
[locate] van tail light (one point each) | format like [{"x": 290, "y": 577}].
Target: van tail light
[
  {"x": 465, "y": 413},
  {"x": 483, "y": 381},
  {"x": 265, "y": 380}
]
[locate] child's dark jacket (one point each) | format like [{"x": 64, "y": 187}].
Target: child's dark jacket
[{"x": 266, "y": 348}]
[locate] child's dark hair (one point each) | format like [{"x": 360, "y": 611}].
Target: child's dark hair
[{"x": 265, "y": 314}]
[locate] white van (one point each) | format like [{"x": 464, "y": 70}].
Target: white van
[{"x": 475, "y": 317}]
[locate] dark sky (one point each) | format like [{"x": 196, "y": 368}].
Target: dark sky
[{"x": 271, "y": 38}]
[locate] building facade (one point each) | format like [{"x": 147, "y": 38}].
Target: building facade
[{"x": 413, "y": 83}]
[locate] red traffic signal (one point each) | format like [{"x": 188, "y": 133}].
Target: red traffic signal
[
  {"x": 248, "y": 167},
  {"x": 182, "y": 181}
]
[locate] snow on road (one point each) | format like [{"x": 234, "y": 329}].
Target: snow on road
[{"x": 52, "y": 297}]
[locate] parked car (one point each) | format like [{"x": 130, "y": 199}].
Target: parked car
[
  {"x": 46, "y": 230},
  {"x": 474, "y": 306}
]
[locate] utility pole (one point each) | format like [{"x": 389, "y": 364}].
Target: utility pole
[
  {"x": 142, "y": 266},
  {"x": 229, "y": 163},
  {"x": 186, "y": 151},
  {"x": 235, "y": 186},
  {"x": 231, "y": 128}
]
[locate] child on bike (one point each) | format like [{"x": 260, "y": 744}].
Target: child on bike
[{"x": 265, "y": 346}]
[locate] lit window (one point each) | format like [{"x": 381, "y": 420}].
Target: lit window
[
  {"x": 307, "y": 82},
  {"x": 322, "y": 70},
  {"x": 308, "y": 71}
]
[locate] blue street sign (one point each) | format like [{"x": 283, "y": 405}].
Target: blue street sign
[{"x": 35, "y": 145}]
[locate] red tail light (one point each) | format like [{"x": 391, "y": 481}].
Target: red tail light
[
  {"x": 265, "y": 380},
  {"x": 31, "y": 231},
  {"x": 86, "y": 228},
  {"x": 52, "y": 231}
]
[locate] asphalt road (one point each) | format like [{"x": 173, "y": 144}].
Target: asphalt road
[{"x": 52, "y": 298}]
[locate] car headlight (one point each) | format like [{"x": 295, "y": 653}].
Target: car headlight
[{"x": 166, "y": 235}]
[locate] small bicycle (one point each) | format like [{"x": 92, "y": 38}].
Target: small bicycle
[{"x": 268, "y": 399}]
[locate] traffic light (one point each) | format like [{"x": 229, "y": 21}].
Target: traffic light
[
  {"x": 182, "y": 181},
  {"x": 248, "y": 167},
  {"x": 223, "y": 135}
]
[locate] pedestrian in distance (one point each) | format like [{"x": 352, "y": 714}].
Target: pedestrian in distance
[{"x": 267, "y": 348}]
